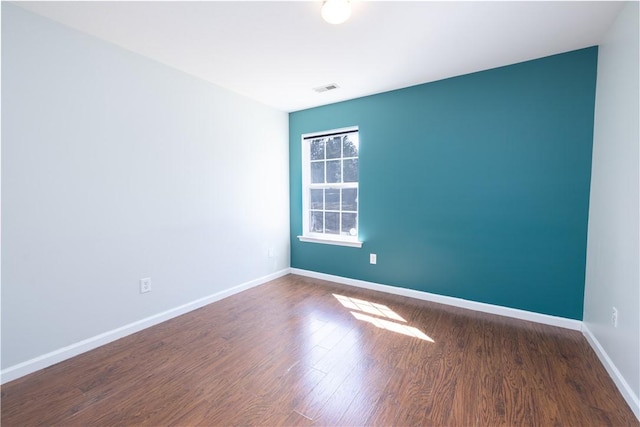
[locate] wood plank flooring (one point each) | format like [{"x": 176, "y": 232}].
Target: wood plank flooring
[{"x": 304, "y": 352}]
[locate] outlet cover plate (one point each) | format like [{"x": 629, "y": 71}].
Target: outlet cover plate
[{"x": 145, "y": 285}]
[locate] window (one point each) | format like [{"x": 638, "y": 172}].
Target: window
[{"x": 330, "y": 187}]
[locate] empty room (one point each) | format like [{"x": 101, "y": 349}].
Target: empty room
[{"x": 320, "y": 213}]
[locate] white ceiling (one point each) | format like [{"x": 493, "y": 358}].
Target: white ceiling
[{"x": 276, "y": 52}]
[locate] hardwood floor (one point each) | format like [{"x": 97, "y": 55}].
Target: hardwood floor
[{"x": 305, "y": 352}]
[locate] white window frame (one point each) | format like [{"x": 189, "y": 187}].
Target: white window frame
[{"x": 307, "y": 235}]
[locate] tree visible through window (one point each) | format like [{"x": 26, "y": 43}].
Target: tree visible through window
[{"x": 330, "y": 185}]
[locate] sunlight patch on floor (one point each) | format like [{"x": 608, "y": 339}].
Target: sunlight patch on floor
[
  {"x": 385, "y": 318},
  {"x": 393, "y": 326},
  {"x": 368, "y": 307}
]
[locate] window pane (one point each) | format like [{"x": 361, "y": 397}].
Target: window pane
[
  {"x": 316, "y": 199},
  {"x": 317, "y": 149},
  {"x": 349, "y": 224},
  {"x": 333, "y": 171},
  {"x": 333, "y": 148},
  {"x": 332, "y": 199},
  {"x": 350, "y": 146},
  {"x": 350, "y": 199},
  {"x": 332, "y": 225},
  {"x": 315, "y": 225},
  {"x": 351, "y": 170},
  {"x": 317, "y": 172}
]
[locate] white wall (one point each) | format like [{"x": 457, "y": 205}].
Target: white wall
[
  {"x": 612, "y": 276},
  {"x": 115, "y": 168}
]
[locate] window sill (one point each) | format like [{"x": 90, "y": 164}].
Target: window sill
[{"x": 336, "y": 241}]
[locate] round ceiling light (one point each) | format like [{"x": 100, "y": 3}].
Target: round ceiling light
[{"x": 336, "y": 11}]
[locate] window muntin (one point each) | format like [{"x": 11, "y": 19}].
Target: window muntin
[{"x": 330, "y": 185}]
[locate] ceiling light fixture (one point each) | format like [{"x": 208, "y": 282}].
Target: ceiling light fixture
[{"x": 336, "y": 11}]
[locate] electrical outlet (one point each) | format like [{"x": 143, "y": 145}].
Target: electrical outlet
[
  {"x": 271, "y": 252},
  {"x": 145, "y": 285},
  {"x": 373, "y": 258},
  {"x": 614, "y": 317}
]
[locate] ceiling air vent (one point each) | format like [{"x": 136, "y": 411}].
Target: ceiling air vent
[{"x": 325, "y": 88}]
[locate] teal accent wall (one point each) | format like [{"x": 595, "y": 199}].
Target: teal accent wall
[{"x": 475, "y": 187}]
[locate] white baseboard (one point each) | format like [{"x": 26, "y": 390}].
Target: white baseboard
[
  {"x": 546, "y": 319},
  {"x": 632, "y": 400},
  {"x": 21, "y": 369}
]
